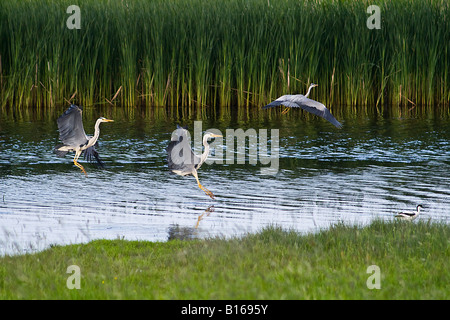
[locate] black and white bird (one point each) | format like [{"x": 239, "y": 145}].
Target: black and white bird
[
  {"x": 409, "y": 215},
  {"x": 302, "y": 101}
]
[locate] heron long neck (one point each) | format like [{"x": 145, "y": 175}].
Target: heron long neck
[
  {"x": 309, "y": 90},
  {"x": 94, "y": 139},
  {"x": 206, "y": 151}
]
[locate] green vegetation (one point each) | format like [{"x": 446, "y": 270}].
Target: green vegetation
[
  {"x": 244, "y": 52},
  {"x": 274, "y": 264}
]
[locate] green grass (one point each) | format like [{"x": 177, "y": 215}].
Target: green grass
[
  {"x": 234, "y": 52},
  {"x": 274, "y": 264}
]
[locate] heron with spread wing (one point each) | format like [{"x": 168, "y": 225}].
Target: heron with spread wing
[
  {"x": 302, "y": 101},
  {"x": 74, "y": 138},
  {"x": 182, "y": 160}
]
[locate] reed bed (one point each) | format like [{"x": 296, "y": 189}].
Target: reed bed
[{"x": 234, "y": 52}]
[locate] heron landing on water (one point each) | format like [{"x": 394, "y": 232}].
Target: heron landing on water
[
  {"x": 182, "y": 160},
  {"x": 74, "y": 138},
  {"x": 302, "y": 101},
  {"x": 409, "y": 215}
]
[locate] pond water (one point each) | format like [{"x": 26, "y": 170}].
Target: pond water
[{"x": 373, "y": 167}]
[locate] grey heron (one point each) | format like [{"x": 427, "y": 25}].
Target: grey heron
[
  {"x": 182, "y": 160},
  {"x": 409, "y": 215},
  {"x": 74, "y": 138},
  {"x": 302, "y": 101}
]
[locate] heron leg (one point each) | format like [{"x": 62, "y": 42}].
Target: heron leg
[
  {"x": 209, "y": 193},
  {"x": 286, "y": 110},
  {"x": 77, "y": 155}
]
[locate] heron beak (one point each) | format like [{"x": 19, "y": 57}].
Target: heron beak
[
  {"x": 109, "y": 120},
  {"x": 216, "y": 136}
]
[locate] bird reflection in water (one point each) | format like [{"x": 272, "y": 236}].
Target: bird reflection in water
[
  {"x": 188, "y": 233},
  {"x": 207, "y": 213}
]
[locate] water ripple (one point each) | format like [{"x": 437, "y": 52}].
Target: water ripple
[{"x": 324, "y": 176}]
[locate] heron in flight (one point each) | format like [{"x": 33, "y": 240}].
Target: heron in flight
[
  {"x": 182, "y": 160},
  {"x": 302, "y": 101},
  {"x": 74, "y": 139},
  {"x": 409, "y": 215}
]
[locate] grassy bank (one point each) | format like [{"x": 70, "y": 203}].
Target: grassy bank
[
  {"x": 274, "y": 264},
  {"x": 196, "y": 52}
]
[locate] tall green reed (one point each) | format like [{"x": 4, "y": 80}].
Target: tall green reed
[{"x": 237, "y": 52}]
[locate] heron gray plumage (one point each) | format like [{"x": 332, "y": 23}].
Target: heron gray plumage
[
  {"x": 182, "y": 160},
  {"x": 74, "y": 138},
  {"x": 302, "y": 101},
  {"x": 409, "y": 215}
]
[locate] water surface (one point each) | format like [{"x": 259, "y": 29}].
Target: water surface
[{"x": 373, "y": 167}]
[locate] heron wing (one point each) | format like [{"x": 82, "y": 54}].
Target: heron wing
[
  {"x": 316, "y": 108},
  {"x": 312, "y": 106},
  {"x": 180, "y": 157},
  {"x": 285, "y": 100},
  {"x": 70, "y": 125},
  {"x": 91, "y": 154}
]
